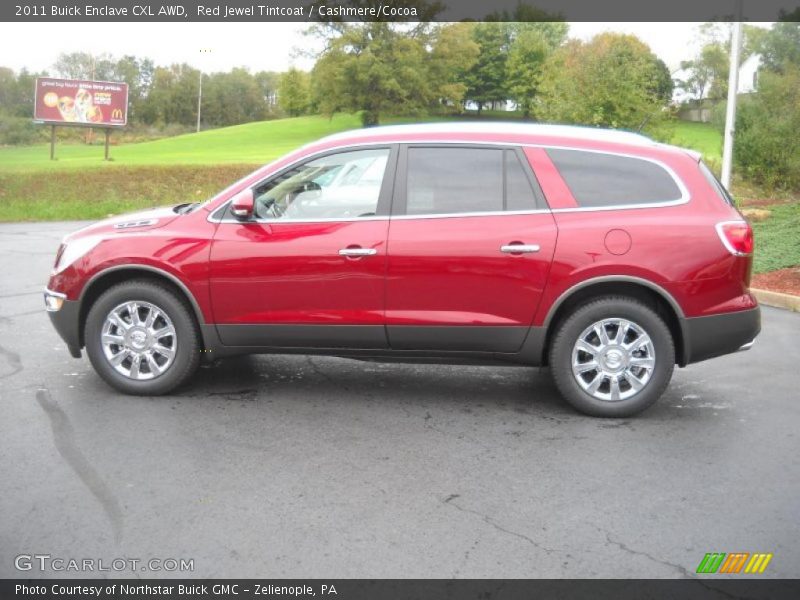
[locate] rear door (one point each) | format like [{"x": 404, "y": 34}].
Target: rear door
[{"x": 470, "y": 246}]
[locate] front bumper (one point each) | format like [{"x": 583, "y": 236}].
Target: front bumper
[
  {"x": 65, "y": 316},
  {"x": 717, "y": 335}
]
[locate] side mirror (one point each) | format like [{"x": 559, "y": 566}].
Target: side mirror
[{"x": 242, "y": 204}]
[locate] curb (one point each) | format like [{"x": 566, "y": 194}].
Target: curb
[{"x": 777, "y": 299}]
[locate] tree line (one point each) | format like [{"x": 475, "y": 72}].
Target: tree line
[{"x": 382, "y": 69}]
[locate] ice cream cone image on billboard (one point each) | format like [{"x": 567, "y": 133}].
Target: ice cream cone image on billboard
[{"x": 83, "y": 103}]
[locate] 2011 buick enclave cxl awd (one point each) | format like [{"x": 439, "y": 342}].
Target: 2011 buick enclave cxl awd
[{"x": 605, "y": 255}]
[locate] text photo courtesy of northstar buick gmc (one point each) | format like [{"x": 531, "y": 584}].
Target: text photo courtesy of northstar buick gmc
[{"x": 602, "y": 254}]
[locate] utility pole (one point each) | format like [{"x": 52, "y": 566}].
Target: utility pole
[
  {"x": 90, "y": 132},
  {"x": 199, "y": 100},
  {"x": 730, "y": 109}
]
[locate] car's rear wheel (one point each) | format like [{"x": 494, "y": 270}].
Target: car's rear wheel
[
  {"x": 612, "y": 357},
  {"x": 141, "y": 338}
]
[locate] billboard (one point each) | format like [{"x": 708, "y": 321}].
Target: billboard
[{"x": 81, "y": 102}]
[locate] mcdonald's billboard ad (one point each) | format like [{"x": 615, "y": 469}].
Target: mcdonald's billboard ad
[{"x": 80, "y": 102}]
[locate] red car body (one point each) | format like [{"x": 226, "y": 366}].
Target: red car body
[{"x": 436, "y": 286}]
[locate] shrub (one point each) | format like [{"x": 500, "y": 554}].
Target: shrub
[
  {"x": 18, "y": 131},
  {"x": 767, "y": 145}
]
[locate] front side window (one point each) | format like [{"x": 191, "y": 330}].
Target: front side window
[
  {"x": 443, "y": 181},
  {"x": 346, "y": 185},
  {"x": 605, "y": 180}
]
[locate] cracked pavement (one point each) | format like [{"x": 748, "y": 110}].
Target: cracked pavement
[{"x": 323, "y": 467}]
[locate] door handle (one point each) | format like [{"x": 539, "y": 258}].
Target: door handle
[
  {"x": 519, "y": 248},
  {"x": 357, "y": 252}
]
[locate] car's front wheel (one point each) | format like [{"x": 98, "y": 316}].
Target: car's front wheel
[
  {"x": 612, "y": 357},
  {"x": 141, "y": 338}
]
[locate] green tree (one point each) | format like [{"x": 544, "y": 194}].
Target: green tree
[
  {"x": 17, "y": 92},
  {"x": 172, "y": 98},
  {"x": 707, "y": 73},
  {"x": 267, "y": 82},
  {"x": 663, "y": 85},
  {"x": 138, "y": 74},
  {"x": 610, "y": 81},
  {"x": 293, "y": 92},
  {"x": 767, "y": 147},
  {"x": 452, "y": 54},
  {"x": 525, "y": 61},
  {"x": 84, "y": 65},
  {"x": 373, "y": 68},
  {"x": 780, "y": 46},
  {"x": 531, "y": 44},
  {"x": 486, "y": 79}
]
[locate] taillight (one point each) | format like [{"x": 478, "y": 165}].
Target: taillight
[{"x": 737, "y": 237}]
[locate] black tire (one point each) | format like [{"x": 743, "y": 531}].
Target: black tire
[
  {"x": 610, "y": 307},
  {"x": 187, "y": 355}
]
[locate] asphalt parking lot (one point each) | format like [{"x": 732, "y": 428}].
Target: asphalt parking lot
[{"x": 323, "y": 467}]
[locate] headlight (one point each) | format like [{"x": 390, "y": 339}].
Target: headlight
[
  {"x": 53, "y": 301},
  {"x": 71, "y": 251}
]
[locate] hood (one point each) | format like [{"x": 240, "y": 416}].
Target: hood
[{"x": 135, "y": 222}]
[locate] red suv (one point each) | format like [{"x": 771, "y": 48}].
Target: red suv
[{"x": 605, "y": 255}]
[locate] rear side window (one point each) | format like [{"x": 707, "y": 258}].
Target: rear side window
[
  {"x": 519, "y": 193},
  {"x": 466, "y": 180},
  {"x": 602, "y": 180}
]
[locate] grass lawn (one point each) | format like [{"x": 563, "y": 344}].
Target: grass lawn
[
  {"x": 252, "y": 143},
  {"x": 778, "y": 238},
  {"x": 702, "y": 137}
]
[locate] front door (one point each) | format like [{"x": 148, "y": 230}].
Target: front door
[
  {"x": 470, "y": 247},
  {"x": 308, "y": 269}
]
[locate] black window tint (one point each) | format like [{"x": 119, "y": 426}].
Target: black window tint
[
  {"x": 454, "y": 180},
  {"x": 597, "y": 179},
  {"x": 519, "y": 193}
]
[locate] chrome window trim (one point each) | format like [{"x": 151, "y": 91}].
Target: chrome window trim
[
  {"x": 320, "y": 220},
  {"x": 684, "y": 199},
  {"x": 488, "y": 213}
]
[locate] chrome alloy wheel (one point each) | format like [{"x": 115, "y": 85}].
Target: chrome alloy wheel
[
  {"x": 139, "y": 340},
  {"x": 613, "y": 359}
]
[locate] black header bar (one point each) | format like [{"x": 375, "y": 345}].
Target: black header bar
[
  {"x": 399, "y": 589},
  {"x": 397, "y": 10}
]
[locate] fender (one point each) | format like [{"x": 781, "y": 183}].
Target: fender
[
  {"x": 208, "y": 332},
  {"x": 664, "y": 294}
]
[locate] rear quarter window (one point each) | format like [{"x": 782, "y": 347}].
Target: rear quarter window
[
  {"x": 599, "y": 180},
  {"x": 722, "y": 193}
]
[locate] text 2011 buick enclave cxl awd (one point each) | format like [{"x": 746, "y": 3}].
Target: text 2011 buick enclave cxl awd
[{"x": 602, "y": 254}]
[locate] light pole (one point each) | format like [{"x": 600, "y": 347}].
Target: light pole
[
  {"x": 199, "y": 100},
  {"x": 730, "y": 109}
]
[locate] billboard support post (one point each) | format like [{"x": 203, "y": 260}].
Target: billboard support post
[
  {"x": 108, "y": 135},
  {"x": 52, "y": 142}
]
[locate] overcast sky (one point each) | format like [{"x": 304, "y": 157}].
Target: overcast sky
[{"x": 257, "y": 46}]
